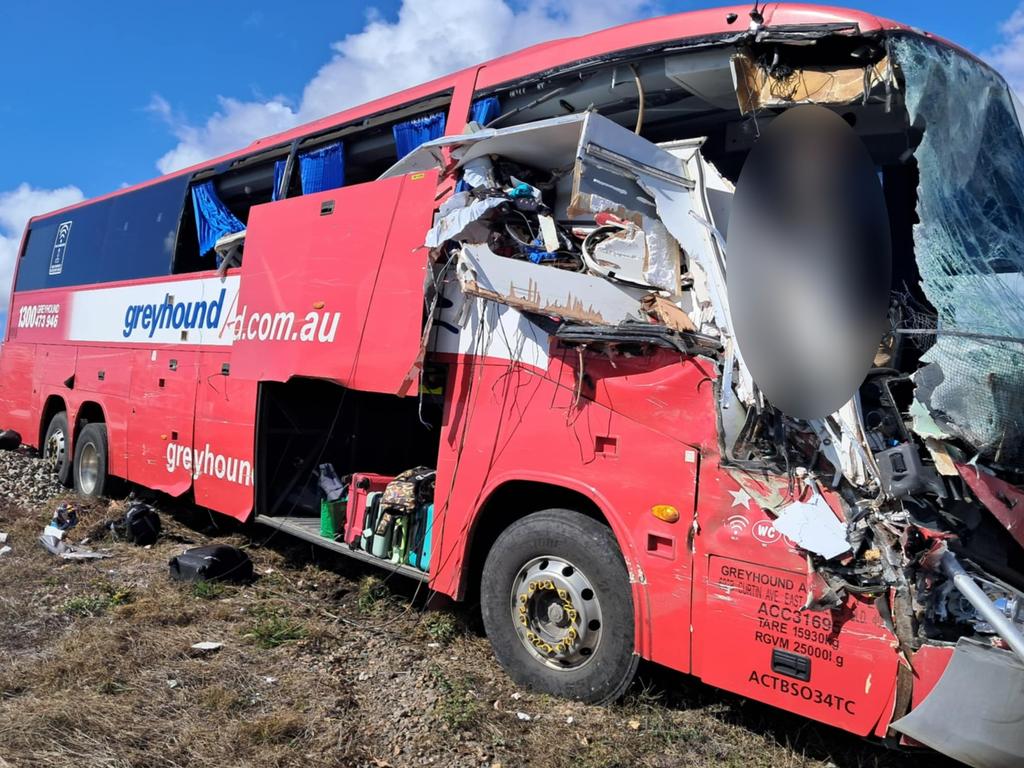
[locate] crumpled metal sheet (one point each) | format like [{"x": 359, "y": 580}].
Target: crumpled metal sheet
[
  {"x": 975, "y": 713},
  {"x": 968, "y": 245}
]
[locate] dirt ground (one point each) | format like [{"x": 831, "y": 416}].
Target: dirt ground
[{"x": 324, "y": 662}]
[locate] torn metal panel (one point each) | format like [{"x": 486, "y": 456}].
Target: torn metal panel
[
  {"x": 543, "y": 144},
  {"x": 469, "y": 325},
  {"x": 691, "y": 220},
  {"x": 645, "y": 255},
  {"x": 545, "y": 290},
  {"x": 984, "y": 687},
  {"x": 1003, "y": 500},
  {"x": 759, "y": 86},
  {"x": 610, "y": 161},
  {"x": 845, "y": 435},
  {"x": 813, "y": 526},
  {"x": 668, "y": 314},
  {"x": 459, "y": 218},
  {"x": 970, "y": 208},
  {"x": 604, "y": 157}
]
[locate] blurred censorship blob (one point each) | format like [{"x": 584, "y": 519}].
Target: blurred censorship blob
[{"x": 809, "y": 262}]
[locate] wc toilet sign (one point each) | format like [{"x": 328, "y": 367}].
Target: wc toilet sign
[{"x": 60, "y": 245}]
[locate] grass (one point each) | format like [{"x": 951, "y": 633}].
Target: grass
[
  {"x": 107, "y": 595},
  {"x": 372, "y": 595},
  {"x": 456, "y": 706},
  {"x": 272, "y": 628},
  {"x": 208, "y": 590},
  {"x": 320, "y": 667},
  {"x": 442, "y": 627}
]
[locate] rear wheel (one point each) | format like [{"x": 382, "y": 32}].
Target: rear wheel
[
  {"x": 558, "y": 607},
  {"x": 90, "y": 470},
  {"x": 55, "y": 448}
]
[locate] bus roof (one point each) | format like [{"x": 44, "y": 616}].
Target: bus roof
[{"x": 551, "y": 55}]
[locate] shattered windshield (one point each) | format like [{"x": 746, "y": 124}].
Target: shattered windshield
[{"x": 968, "y": 244}]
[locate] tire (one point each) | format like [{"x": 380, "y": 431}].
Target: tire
[
  {"x": 90, "y": 470},
  {"x": 534, "y": 591},
  {"x": 55, "y": 448}
]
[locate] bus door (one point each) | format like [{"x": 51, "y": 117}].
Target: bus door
[
  {"x": 332, "y": 285},
  {"x": 222, "y": 462},
  {"x": 160, "y": 418}
]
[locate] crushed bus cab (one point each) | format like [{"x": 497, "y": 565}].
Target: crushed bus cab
[{"x": 577, "y": 333}]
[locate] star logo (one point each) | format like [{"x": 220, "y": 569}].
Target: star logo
[{"x": 740, "y": 498}]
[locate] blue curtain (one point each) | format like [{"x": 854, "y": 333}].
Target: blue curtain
[
  {"x": 213, "y": 219},
  {"x": 278, "y": 175},
  {"x": 323, "y": 169},
  {"x": 412, "y": 133},
  {"x": 484, "y": 110}
]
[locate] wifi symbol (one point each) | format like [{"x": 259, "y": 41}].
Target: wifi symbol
[{"x": 737, "y": 525}]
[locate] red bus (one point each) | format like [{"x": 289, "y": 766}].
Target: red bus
[{"x": 495, "y": 305}]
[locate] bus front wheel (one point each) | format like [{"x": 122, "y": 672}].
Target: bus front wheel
[
  {"x": 90, "y": 470},
  {"x": 558, "y": 608}
]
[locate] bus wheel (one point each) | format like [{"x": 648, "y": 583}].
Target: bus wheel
[
  {"x": 90, "y": 469},
  {"x": 558, "y": 608},
  {"x": 55, "y": 448}
]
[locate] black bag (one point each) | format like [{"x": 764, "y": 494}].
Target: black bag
[
  {"x": 140, "y": 525},
  {"x": 9, "y": 440},
  {"x": 218, "y": 562}
]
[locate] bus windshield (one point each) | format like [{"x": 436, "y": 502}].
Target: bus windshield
[{"x": 967, "y": 242}]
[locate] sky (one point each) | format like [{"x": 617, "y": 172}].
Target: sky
[{"x": 100, "y": 96}]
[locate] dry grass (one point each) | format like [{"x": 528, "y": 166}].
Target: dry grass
[{"x": 320, "y": 665}]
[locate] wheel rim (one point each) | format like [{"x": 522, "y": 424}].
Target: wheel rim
[
  {"x": 55, "y": 449},
  {"x": 556, "y": 612},
  {"x": 88, "y": 468}
]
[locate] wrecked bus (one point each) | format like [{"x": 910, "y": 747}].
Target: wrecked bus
[{"x": 495, "y": 309}]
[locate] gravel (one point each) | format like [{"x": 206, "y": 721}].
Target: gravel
[{"x": 27, "y": 480}]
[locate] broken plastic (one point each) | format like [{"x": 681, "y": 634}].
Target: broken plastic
[{"x": 813, "y": 526}]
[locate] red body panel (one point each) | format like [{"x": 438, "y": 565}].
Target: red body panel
[
  {"x": 714, "y": 592},
  {"x": 349, "y": 285}
]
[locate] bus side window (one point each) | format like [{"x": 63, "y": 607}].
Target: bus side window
[
  {"x": 337, "y": 157},
  {"x": 211, "y": 232}
]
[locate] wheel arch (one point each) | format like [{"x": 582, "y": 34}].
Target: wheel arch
[
  {"x": 53, "y": 405},
  {"x": 89, "y": 412},
  {"x": 513, "y": 498}
]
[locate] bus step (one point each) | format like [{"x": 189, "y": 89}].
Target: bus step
[{"x": 308, "y": 529}]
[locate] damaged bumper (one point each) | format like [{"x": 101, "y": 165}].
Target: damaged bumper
[{"x": 982, "y": 691}]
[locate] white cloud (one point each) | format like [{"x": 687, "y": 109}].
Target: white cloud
[
  {"x": 17, "y": 206},
  {"x": 1007, "y": 55},
  {"x": 231, "y": 127},
  {"x": 428, "y": 39}
]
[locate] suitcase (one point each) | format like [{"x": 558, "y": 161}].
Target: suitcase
[
  {"x": 360, "y": 487},
  {"x": 371, "y": 518},
  {"x": 400, "y": 539},
  {"x": 383, "y": 532},
  {"x": 218, "y": 562},
  {"x": 420, "y": 533}
]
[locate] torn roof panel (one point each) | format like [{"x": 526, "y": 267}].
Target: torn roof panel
[{"x": 548, "y": 143}]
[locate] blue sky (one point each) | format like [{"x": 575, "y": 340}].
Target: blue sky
[{"x": 100, "y": 95}]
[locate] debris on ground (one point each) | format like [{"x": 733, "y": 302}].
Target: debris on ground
[
  {"x": 214, "y": 563},
  {"x": 114, "y": 671},
  {"x": 65, "y": 517}
]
